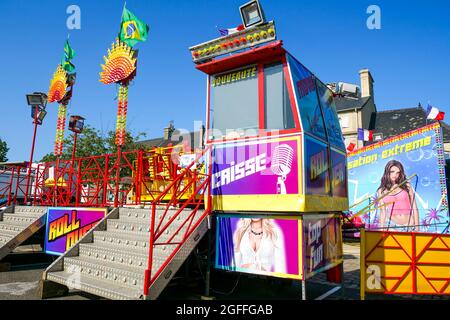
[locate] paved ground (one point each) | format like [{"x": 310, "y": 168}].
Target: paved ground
[{"x": 21, "y": 282}]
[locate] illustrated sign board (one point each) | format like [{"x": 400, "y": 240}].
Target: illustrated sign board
[
  {"x": 399, "y": 184},
  {"x": 405, "y": 263},
  {"x": 322, "y": 243},
  {"x": 65, "y": 226},
  {"x": 260, "y": 245}
]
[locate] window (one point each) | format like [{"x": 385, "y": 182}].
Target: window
[
  {"x": 234, "y": 103},
  {"x": 308, "y": 104},
  {"x": 277, "y": 105},
  {"x": 331, "y": 118}
]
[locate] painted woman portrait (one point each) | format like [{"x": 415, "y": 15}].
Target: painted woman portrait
[
  {"x": 397, "y": 204},
  {"x": 259, "y": 245}
]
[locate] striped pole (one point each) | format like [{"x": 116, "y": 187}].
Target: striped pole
[
  {"x": 60, "y": 126},
  {"x": 122, "y": 115}
]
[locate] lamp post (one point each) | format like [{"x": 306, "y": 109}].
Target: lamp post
[
  {"x": 76, "y": 125},
  {"x": 37, "y": 101}
]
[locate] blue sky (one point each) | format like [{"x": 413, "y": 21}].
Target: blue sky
[{"x": 408, "y": 57}]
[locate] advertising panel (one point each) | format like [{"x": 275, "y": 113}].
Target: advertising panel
[
  {"x": 259, "y": 245},
  {"x": 323, "y": 243},
  {"x": 65, "y": 226},
  {"x": 399, "y": 184},
  {"x": 317, "y": 167}
]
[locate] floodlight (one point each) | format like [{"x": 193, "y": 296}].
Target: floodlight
[
  {"x": 76, "y": 124},
  {"x": 37, "y": 99},
  {"x": 252, "y": 13}
]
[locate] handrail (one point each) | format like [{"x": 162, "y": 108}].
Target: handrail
[{"x": 154, "y": 236}]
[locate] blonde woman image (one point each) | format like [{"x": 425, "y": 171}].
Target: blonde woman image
[{"x": 259, "y": 245}]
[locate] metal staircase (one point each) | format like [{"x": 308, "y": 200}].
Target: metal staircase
[
  {"x": 17, "y": 224},
  {"x": 134, "y": 253},
  {"x": 111, "y": 261}
]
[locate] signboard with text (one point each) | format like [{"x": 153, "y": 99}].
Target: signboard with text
[
  {"x": 322, "y": 243},
  {"x": 65, "y": 226},
  {"x": 399, "y": 184}
]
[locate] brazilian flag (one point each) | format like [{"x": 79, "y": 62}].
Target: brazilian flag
[
  {"x": 132, "y": 30},
  {"x": 69, "y": 54}
]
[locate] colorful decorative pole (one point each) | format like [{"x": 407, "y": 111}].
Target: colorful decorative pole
[
  {"x": 60, "y": 126},
  {"x": 60, "y": 91},
  {"x": 120, "y": 68}
]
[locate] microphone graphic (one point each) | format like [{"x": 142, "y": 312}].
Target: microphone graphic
[{"x": 282, "y": 158}]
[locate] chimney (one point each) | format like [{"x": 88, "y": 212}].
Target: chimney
[
  {"x": 366, "y": 83},
  {"x": 168, "y": 131}
]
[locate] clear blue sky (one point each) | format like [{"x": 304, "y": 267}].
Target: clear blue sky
[{"x": 408, "y": 57}]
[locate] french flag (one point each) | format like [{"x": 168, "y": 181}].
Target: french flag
[
  {"x": 365, "y": 135},
  {"x": 434, "y": 113},
  {"x": 225, "y": 32}
]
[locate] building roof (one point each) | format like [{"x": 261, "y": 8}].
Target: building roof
[
  {"x": 394, "y": 122},
  {"x": 177, "y": 138},
  {"x": 344, "y": 103}
]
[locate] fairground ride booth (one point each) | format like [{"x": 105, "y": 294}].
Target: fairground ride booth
[{"x": 278, "y": 160}]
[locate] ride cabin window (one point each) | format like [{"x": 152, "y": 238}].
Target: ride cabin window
[{"x": 234, "y": 102}]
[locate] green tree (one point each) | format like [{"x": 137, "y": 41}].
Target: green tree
[
  {"x": 91, "y": 143},
  {"x": 3, "y": 151}
]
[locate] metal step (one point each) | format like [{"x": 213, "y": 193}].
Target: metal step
[
  {"x": 120, "y": 255},
  {"x": 94, "y": 286},
  {"x": 124, "y": 241},
  {"x": 126, "y": 276},
  {"x": 30, "y": 210},
  {"x": 104, "y": 254},
  {"x": 127, "y": 227},
  {"x": 12, "y": 227},
  {"x": 19, "y": 226},
  {"x": 4, "y": 239},
  {"x": 9, "y": 233},
  {"x": 19, "y": 219}
]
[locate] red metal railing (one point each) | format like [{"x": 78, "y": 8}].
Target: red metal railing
[
  {"x": 179, "y": 186},
  {"x": 94, "y": 181},
  {"x": 13, "y": 179}
]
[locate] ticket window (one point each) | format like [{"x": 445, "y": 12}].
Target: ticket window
[{"x": 250, "y": 101}]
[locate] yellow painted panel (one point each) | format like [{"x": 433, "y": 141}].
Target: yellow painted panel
[
  {"x": 435, "y": 271},
  {"x": 405, "y": 242},
  {"x": 394, "y": 270},
  {"x": 422, "y": 284},
  {"x": 388, "y": 255},
  {"x": 447, "y": 290},
  {"x": 276, "y": 202},
  {"x": 446, "y": 239},
  {"x": 438, "y": 244},
  {"x": 390, "y": 283},
  {"x": 421, "y": 242},
  {"x": 371, "y": 240},
  {"x": 300, "y": 249},
  {"x": 435, "y": 257},
  {"x": 390, "y": 242},
  {"x": 438, "y": 284},
  {"x": 406, "y": 284},
  {"x": 279, "y": 202}
]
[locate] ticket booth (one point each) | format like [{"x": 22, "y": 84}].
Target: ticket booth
[{"x": 278, "y": 157}]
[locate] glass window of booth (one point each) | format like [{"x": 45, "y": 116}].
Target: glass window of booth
[
  {"x": 277, "y": 104},
  {"x": 308, "y": 102},
  {"x": 234, "y": 103},
  {"x": 331, "y": 118}
]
